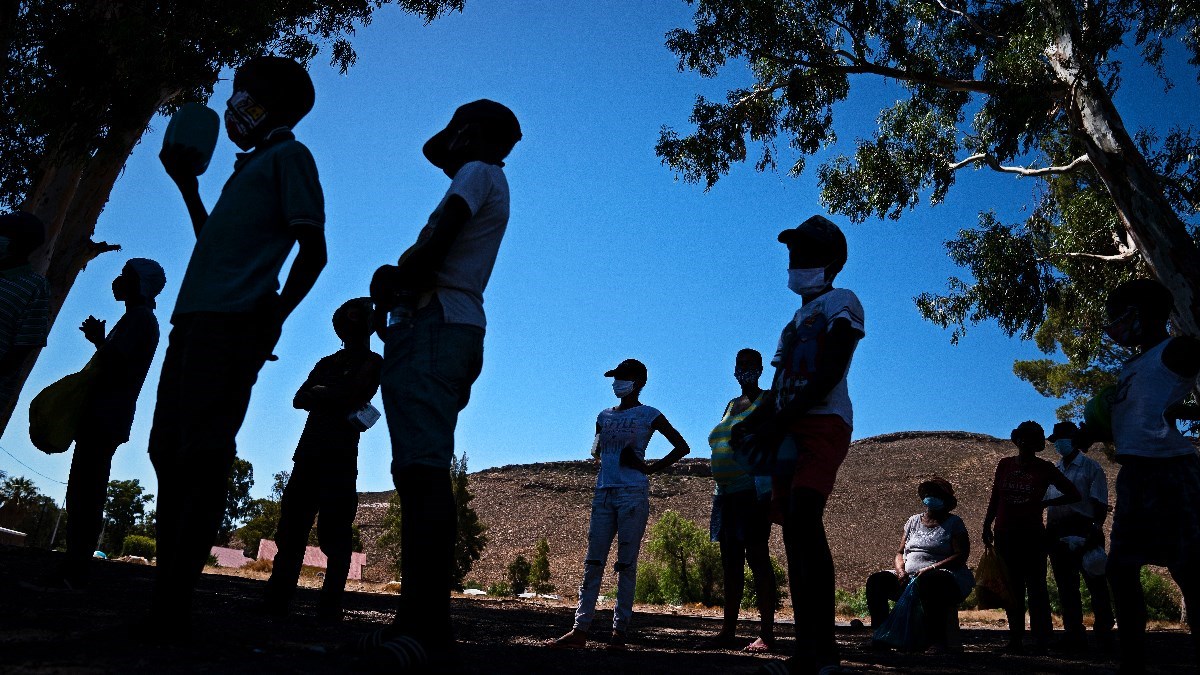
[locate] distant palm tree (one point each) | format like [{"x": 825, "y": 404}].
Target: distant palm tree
[{"x": 20, "y": 491}]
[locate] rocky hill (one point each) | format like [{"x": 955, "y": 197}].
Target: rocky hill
[{"x": 875, "y": 494}]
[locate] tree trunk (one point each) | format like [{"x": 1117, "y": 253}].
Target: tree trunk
[
  {"x": 68, "y": 196},
  {"x": 1160, "y": 235}
]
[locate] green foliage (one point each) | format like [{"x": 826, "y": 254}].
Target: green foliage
[
  {"x": 850, "y": 603},
  {"x": 135, "y": 544},
  {"x": 261, "y": 523},
  {"x": 539, "y": 571},
  {"x": 979, "y": 91},
  {"x": 390, "y": 537},
  {"x": 649, "y": 590},
  {"x": 237, "y": 498},
  {"x": 518, "y": 575},
  {"x": 501, "y": 589},
  {"x": 750, "y": 595},
  {"x": 31, "y": 512},
  {"x": 471, "y": 532},
  {"x": 211, "y": 561},
  {"x": 124, "y": 507},
  {"x": 1162, "y": 598},
  {"x": 690, "y": 562}
]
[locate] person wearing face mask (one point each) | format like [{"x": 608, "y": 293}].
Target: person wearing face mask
[
  {"x": 1074, "y": 530},
  {"x": 24, "y": 295},
  {"x": 808, "y": 433},
  {"x": 933, "y": 552},
  {"x": 1156, "y": 521},
  {"x": 229, "y": 315},
  {"x": 741, "y": 519},
  {"x": 322, "y": 483},
  {"x": 122, "y": 359},
  {"x": 1015, "y": 507},
  {"x": 621, "y": 503},
  {"x": 430, "y": 315}
]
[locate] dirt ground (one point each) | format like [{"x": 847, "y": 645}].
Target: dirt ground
[{"x": 60, "y": 632}]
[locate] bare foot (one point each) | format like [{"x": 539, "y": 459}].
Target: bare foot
[
  {"x": 574, "y": 639},
  {"x": 759, "y": 646}
]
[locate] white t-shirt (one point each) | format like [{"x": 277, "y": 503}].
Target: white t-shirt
[
  {"x": 1145, "y": 391},
  {"x": 1088, "y": 477},
  {"x": 468, "y": 266},
  {"x": 800, "y": 348},
  {"x": 618, "y": 429}
]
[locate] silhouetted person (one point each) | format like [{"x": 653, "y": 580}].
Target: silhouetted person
[
  {"x": 809, "y": 433},
  {"x": 1018, "y": 498},
  {"x": 228, "y": 317},
  {"x": 323, "y": 480},
  {"x": 1075, "y": 530},
  {"x": 122, "y": 359},
  {"x": 741, "y": 513},
  {"x": 1157, "y": 519},
  {"x": 621, "y": 503},
  {"x": 933, "y": 554},
  {"x": 24, "y": 295},
  {"x": 432, "y": 323}
]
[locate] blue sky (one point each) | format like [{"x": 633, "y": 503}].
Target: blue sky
[{"x": 608, "y": 256}]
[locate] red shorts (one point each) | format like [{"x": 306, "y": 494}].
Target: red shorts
[{"x": 822, "y": 442}]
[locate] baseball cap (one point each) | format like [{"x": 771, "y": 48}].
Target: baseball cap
[
  {"x": 629, "y": 369},
  {"x": 1063, "y": 430}
]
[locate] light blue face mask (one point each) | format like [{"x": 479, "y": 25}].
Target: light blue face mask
[
  {"x": 1064, "y": 446},
  {"x": 934, "y": 503},
  {"x": 623, "y": 388},
  {"x": 807, "y": 280}
]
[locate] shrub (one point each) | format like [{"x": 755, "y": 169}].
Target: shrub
[
  {"x": 851, "y": 603},
  {"x": 750, "y": 595},
  {"x": 211, "y": 561},
  {"x": 261, "y": 565},
  {"x": 539, "y": 572},
  {"x": 648, "y": 590},
  {"x": 1162, "y": 598},
  {"x": 135, "y": 544},
  {"x": 518, "y": 576},
  {"x": 690, "y": 562},
  {"x": 501, "y": 590}
]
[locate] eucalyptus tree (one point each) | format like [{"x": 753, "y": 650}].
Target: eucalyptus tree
[{"x": 1018, "y": 88}]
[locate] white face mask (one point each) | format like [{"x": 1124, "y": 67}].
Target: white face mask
[
  {"x": 1064, "y": 446},
  {"x": 623, "y": 388},
  {"x": 807, "y": 280}
]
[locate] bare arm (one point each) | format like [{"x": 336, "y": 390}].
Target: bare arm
[
  {"x": 898, "y": 563},
  {"x": 961, "y": 545},
  {"x": 679, "y": 447},
  {"x": 840, "y": 344},
  {"x": 310, "y": 260},
  {"x": 990, "y": 516},
  {"x": 178, "y": 161},
  {"x": 1070, "y": 493},
  {"x": 419, "y": 265}
]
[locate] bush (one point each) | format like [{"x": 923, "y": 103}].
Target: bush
[
  {"x": 501, "y": 590},
  {"x": 648, "y": 590},
  {"x": 261, "y": 565},
  {"x": 135, "y": 544},
  {"x": 1162, "y": 598},
  {"x": 518, "y": 576},
  {"x": 539, "y": 572},
  {"x": 750, "y": 596},
  {"x": 690, "y": 563},
  {"x": 851, "y": 603},
  {"x": 211, "y": 561}
]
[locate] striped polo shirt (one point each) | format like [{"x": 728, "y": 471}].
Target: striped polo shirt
[{"x": 24, "y": 308}]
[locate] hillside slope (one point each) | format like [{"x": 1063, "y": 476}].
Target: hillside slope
[{"x": 875, "y": 494}]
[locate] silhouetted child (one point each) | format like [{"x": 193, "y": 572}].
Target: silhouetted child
[
  {"x": 1157, "y": 517},
  {"x": 122, "y": 359},
  {"x": 323, "y": 481},
  {"x": 809, "y": 432},
  {"x": 431, "y": 304},
  {"x": 1016, "y": 505},
  {"x": 621, "y": 504},
  {"x": 228, "y": 317},
  {"x": 24, "y": 295}
]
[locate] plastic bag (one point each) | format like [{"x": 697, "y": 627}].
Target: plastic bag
[
  {"x": 55, "y": 413},
  {"x": 904, "y": 628},
  {"x": 991, "y": 581},
  {"x": 1095, "y": 561}
]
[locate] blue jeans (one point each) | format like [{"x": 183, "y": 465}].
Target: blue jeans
[{"x": 620, "y": 513}]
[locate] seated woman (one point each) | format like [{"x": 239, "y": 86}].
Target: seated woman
[{"x": 933, "y": 550}]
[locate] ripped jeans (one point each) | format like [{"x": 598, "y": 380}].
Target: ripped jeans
[{"x": 619, "y": 512}]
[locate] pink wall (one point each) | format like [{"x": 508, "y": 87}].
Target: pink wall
[{"x": 313, "y": 557}]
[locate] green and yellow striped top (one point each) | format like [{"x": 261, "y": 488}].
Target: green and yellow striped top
[{"x": 730, "y": 473}]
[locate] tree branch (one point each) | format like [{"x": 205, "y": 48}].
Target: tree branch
[
  {"x": 969, "y": 19},
  {"x": 994, "y": 164},
  {"x": 1123, "y": 255}
]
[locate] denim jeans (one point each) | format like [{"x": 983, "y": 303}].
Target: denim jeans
[{"x": 620, "y": 513}]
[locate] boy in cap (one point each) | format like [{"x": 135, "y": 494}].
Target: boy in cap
[
  {"x": 24, "y": 295},
  {"x": 1074, "y": 530},
  {"x": 228, "y": 316},
  {"x": 1018, "y": 499},
  {"x": 1156, "y": 521},
  {"x": 122, "y": 359},
  {"x": 430, "y": 314},
  {"x": 621, "y": 503},
  {"x": 323, "y": 481},
  {"x": 810, "y": 429}
]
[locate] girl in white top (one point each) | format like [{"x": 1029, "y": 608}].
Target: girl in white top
[{"x": 621, "y": 505}]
